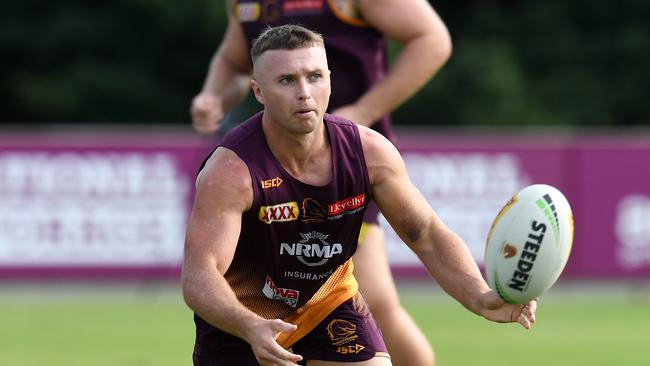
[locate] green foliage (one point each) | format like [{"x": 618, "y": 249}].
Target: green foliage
[
  {"x": 540, "y": 63},
  {"x": 514, "y": 62},
  {"x": 116, "y": 62}
]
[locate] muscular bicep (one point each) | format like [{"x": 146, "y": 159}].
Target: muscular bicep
[
  {"x": 234, "y": 49},
  {"x": 399, "y": 200},
  {"x": 223, "y": 193},
  {"x": 402, "y": 20}
]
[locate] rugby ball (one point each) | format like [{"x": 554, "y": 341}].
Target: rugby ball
[{"x": 529, "y": 243}]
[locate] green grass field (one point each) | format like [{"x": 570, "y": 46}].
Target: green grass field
[{"x": 140, "y": 325}]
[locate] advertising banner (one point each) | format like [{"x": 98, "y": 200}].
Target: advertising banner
[
  {"x": 613, "y": 188},
  {"x": 84, "y": 205},
  {"x": 606, "y": 180},
  {"x": 116, "y": 204}
]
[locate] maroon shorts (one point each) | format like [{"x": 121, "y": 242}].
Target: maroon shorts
[{"x": 348, "y": 334}]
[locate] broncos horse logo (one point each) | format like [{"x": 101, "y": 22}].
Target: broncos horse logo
[{"x": 340, "y": 330}]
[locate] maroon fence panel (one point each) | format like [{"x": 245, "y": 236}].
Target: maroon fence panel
[
  {"x": 606, "y": 180},
  {"x": 111, "y": 205},
  {"x": 115, "y": 205}
]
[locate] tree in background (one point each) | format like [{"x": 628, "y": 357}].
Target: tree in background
[
  {"x": 109, "y": 62},
  {"x": 514, "y": 62},
  {"x": 543, "y": 62}
]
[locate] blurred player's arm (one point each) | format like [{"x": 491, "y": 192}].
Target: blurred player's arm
[
  {"x": 223, "y": 193},
  {"x": 227, "y": 81},
  {"x": 442, "y": 251},
  {"x": 426, "y": 48}
]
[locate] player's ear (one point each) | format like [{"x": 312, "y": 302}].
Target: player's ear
[{"x": 257, "y": 91}]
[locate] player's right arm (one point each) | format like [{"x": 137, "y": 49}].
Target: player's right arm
[
  {"x": 227, "y": 81},
  {"x": 223, "y": 192}
]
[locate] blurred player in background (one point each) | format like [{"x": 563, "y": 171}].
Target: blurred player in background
[
  {"x": 364, "y": 90},
  {"x": 278, "y": 209}
]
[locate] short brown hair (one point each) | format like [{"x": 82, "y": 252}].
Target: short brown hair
[{"x": 285, "y": 37}]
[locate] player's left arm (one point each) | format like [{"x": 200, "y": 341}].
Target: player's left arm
[
  {"x": 426, "y": 48},
  {"x": 442, "y": 251}
]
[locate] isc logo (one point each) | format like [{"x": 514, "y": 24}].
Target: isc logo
[
  {"x": 271, "y": 183},
  {"x": 350, "y": 350}
]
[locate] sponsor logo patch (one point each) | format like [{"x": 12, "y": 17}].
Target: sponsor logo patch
[
  {"x": 521, "y": 276},
  {"x": 312, "y": 211},
  {"x": 346, "y": 205},
  {"x": 341, "y": 332},
  {"x": 293, "y": 7},
  {"x": 286, "y": 295},
  {"x": 350, "y": 350},
  {"x": 282, "y": 212},
  {"x": 312, "y": 250},
  {"x": 248, "y": 12},
  {"x": 271, "y": 183}
]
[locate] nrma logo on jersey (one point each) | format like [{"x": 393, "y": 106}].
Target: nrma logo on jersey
[
  {"x": 282, "y": 212},
  {"x": 312, "y": 250},
  {"x": 286, "y": 295}
]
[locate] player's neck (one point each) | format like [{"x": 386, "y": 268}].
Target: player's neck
[{"x": 307, "y": 157}]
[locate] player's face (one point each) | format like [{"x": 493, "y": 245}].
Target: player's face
[{"x": 294, "y": 86}]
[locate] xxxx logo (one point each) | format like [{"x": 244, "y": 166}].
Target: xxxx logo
[{"x": 283, "y": 212}]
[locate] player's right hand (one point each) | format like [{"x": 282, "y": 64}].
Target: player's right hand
[
  {"x": 495, "y": 309},
  {"x": 207, "y": 111},
  {"x": 263, "y": 342}
]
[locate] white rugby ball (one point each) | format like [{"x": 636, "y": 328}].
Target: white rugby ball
[{"x": 529, "y": 243}]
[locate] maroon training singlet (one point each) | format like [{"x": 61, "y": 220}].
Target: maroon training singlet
[{"x": 293, "y": 257}]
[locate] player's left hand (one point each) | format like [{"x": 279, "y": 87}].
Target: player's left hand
[{"x": 495, "y": 309}]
